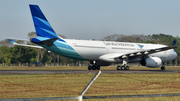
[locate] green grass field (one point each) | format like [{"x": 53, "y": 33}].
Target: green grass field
[{"x": 66, "y": 85}]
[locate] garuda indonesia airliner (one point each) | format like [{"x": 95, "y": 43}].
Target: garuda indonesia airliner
[{"x": 99, "y": 53}]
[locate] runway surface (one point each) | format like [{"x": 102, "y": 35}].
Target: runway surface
[{"x": 9, "y": 72}]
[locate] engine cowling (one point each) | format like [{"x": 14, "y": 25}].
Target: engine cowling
[{"x": 152, "y": 62}]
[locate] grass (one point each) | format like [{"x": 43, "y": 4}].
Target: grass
[
  {"x": 66, "y": 85},
  {"x": 81, "y": 68}
]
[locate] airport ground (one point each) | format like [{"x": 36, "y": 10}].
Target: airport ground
[
  {"x": 82, "y": 68},
  {"x": 66, "y": 85}
]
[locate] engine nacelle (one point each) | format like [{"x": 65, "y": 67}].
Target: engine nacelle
[{"x": 152, "y": 62}]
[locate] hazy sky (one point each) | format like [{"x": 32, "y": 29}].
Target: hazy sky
[{"x": 92, "y": 19}]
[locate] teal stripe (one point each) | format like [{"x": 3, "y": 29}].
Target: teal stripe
[
  {"x": 63, "y": 49},
  {"x": 65, "y": 52}
]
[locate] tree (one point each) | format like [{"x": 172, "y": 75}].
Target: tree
[
  {"x": 4, "y": 54},
  {"x": 6, "y": 43},
  {"x": 1, "y": 53},
  {"x": 7, "y": 58},
  {"x": 22, "y": 54},
  {"x": 58, "y": 56},
  {"x": 42, "y": 54},
  {"x": 32, "y": 35},
  {"x": 39, "y": 52}
]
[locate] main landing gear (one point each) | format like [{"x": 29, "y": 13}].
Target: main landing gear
[
  {"x": 163, "y": 67},
  {"x": 93, "y": 66},
  {"x": 124, "y": 65}
]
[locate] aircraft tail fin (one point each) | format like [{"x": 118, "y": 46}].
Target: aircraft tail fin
[{"x": 41, "y": 24}]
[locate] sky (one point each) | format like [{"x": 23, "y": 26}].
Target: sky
[{"x": 92, "y": 19}]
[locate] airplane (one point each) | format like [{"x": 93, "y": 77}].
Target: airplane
[{"x": 99, "y": 53}]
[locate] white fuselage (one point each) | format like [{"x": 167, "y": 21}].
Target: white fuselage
[{"x": 104, "y": 50}]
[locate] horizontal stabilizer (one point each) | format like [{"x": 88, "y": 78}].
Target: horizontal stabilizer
[
  {"x": 12, "y": 41},
  {"x": 25, "y": 45},
  {"x": 18, "y": 39}
]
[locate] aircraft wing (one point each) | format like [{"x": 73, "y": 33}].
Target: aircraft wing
[
  {"x": 144, "y": 52},
  {"x": 116, "y": 56},
  {"x": 25, "y": 45}
]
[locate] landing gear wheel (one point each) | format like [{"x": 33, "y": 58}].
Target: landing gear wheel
[
  {"x": 89, "y": 67},
  {"x": 98, "y": 67},
  {"x": 94, "y": 67},
  {"x": 163, "y": 68},
  {"x": 122, "y": 68},
  {"x": 118, "y": 67},
  {"x": 127, "y": 67}
]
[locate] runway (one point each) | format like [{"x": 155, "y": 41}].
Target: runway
[{"x": 23, "y": 72}]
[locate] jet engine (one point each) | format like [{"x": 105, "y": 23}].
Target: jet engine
[{"x": 152, "y": 62}]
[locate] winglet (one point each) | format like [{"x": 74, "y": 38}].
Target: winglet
[
  {"x": 174, "y": 43},
  {"x": 12, "y": 41}
]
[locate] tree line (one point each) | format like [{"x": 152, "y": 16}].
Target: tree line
[{"x": 19, "y": 55}]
